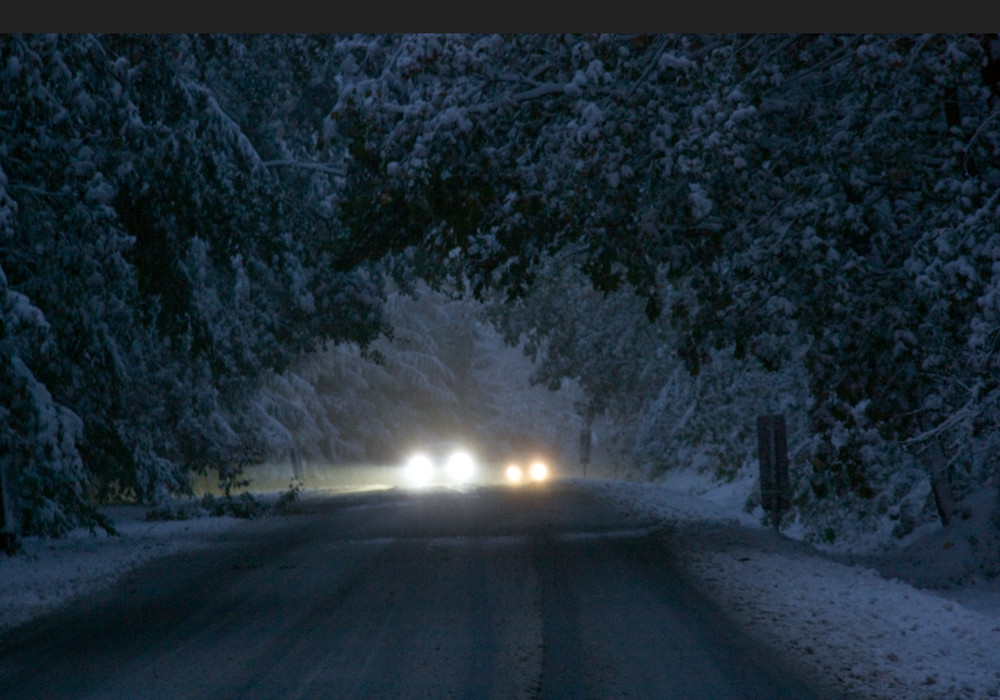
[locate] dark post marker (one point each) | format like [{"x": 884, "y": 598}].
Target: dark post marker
[
  {"x": 772, "y": 448},
  {"x": 10, "y": 519}
]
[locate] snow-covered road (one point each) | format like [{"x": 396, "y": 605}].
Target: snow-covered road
[
  {"x": 869, "y": 635},
  {"x": 485, "y": 592}
]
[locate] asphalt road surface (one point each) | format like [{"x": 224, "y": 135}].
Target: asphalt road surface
[{"x": 483, "y": 593}]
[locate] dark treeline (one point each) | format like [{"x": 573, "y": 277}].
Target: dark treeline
[
  {"x": 183, "y": 216},
  {"x": 159, "y": 257}
]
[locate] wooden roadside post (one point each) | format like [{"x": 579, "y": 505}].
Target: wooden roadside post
[
  {"x": 585, "y": 443},
  {"x": 586, "y": 438},
  {"x": 10, "y": 516},
  {"x": 772, "y": 448}
]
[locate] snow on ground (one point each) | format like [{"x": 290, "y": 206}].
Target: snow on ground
[
  {"x": 867, "y": 634},
  {"x": 52, "y": 571},
  {"x": 863, "y": 633}
]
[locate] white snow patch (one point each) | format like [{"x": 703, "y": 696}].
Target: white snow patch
[
  {"x": 862, "y": 633},
  {"x": 51, "y": 572}
]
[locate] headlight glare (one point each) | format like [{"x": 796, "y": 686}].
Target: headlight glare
[
  {"x": 461, "y": 467},
  {"x": 539, "y": 472},
  {"x": 420, "y": 470}
]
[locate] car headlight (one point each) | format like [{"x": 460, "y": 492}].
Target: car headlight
[
  {"x": 461, "y": 467},
  {"x": 514, "y": 474},
  {"x": 539, "y": 471},
  {"x": 420, "y": 470}
]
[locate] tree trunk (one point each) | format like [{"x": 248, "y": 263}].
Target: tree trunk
[{"x": 937, "y": 465}]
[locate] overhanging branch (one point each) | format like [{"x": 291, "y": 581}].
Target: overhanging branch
[{"x": 305, "y": 165}]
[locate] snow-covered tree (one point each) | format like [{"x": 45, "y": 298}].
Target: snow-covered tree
[
  {"x": 39, "y": 438},
  {"x": 827, "y": 199},
  {"x": 175, "y": 266},
  {"x": 199, "y": 218},
  {"x": 443, "y": 373}
]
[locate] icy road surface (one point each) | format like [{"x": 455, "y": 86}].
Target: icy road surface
[{"x": 486, "y": 593}]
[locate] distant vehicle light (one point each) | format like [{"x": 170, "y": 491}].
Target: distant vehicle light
[
  {"x": 514, "y": 474},
  {"x": 420, "y": 470},
  {"x": 461, "y": 467},
  {"x": 538, "y": 471}
]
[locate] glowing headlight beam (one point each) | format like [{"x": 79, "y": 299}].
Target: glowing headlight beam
[
  {"x": 420, "y": 470},
  {"x": 514, "y": 473},
  {"x": 538, "y": 471},
  {"x": 461, "y": 467}
]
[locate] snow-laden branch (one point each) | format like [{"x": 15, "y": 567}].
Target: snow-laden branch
[
  {"x": 972, "y": 140},
  {"x": 242, "y": 142},
  {"x": 649, "y": 67},
  {"x": 537, "y": 92},
  {"x": 965, "y": 412},
  {"x": 305, "y": 165}
]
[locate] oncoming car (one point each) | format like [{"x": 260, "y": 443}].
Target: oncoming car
[
  {"x": 441, "y": 463},
  {"x": 450, "y": 463},
  {"x": 527, "y": 471}
]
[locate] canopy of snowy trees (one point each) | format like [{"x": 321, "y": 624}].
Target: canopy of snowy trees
[{"x": 696, "y": 228}]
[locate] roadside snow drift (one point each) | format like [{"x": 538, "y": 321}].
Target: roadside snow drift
[
  {"x": 52, "y": 571},
  {"x": 861, "y": 633}
]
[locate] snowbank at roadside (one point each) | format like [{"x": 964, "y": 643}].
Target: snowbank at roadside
[
  {"x": 51, "y": 571},
  {"x": 865, "y": 634}
]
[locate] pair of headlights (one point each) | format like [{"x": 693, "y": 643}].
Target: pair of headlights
[
  {"x": 459, "y": 467},
  {"x": 538, "y": 471}
]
